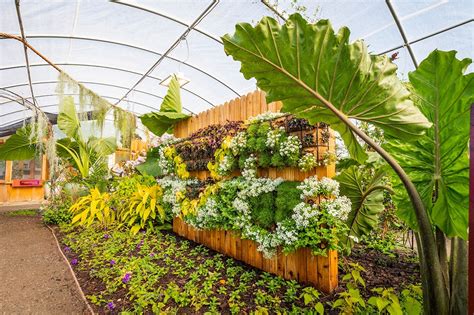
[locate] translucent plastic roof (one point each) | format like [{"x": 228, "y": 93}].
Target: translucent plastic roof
[{"x": 123, "y": 49}]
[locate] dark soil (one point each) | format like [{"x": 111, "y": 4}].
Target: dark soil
[
  {"x": 381, "y": 271},
  {"x": 35, "y": 278}
]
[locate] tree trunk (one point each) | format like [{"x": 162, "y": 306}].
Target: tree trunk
[{"x": 458, "y": 275}]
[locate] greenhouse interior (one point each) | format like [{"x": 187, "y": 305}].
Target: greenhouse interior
[{"x": 236, "y": 156}]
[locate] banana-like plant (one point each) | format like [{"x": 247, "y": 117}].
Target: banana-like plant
[
  {"x": 319, "y": 75},
  {"x": 84, "y": 154}
]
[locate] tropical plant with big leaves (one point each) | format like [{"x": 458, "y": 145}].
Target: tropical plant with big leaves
[
  {"x": 170, "y": 111},
  {"x": 366, "y": 195},
  {"x": 320, "y": 76},
  {"x": 84, "y": 154},
  {"x": 19, "y": 146},
  {"x": 438, "y": 162}
]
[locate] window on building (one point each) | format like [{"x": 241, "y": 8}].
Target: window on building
[
  {"x": 27, "y": 169},
  {"x": 3, "y": 165}
]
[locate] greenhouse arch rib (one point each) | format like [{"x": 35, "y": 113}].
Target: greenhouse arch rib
[
  {"x": 89, "y": 82},
  {"x": 169, "y": 17},
  {"x": 201, "y": 16},
  {"x": 106, "y": 41},
  {"x": 72, "y": 94},
  {"x": 104, "y": 67}
]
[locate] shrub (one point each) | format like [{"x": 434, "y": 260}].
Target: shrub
[
  {"x": 287, "y": 197},
  {"x": 57, "y": 216}
]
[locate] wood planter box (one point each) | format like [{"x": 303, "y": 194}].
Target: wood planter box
[{"x": 301, "y": 265}]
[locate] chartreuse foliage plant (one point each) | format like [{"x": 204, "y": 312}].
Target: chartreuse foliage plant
[
  {"x": 319, "y": 75},
  {"x": 144, "y": 204},
  {"x": 93, "y": 207}
]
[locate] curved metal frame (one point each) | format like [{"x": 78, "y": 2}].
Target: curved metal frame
[
  {"x": 168, "y": 17},
  {"x": 100, "y": 40},
  {"x": 73, "y": 94},
  {"x": 105, "y": 67}
]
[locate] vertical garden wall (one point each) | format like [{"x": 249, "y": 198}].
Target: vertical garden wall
[{"x": 301, "y": 265}]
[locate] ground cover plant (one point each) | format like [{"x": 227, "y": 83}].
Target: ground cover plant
[{"x": 158, "y": 272}]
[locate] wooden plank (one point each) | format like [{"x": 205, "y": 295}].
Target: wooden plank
[
  {"x": 291, "y": 271},
  {"x": 270, "y": 265},
  {"x": 324, "y": 272},
  {"x": 301, "y": 264},
  {"x": 281, "y": 267},
  {"x": 311, "y": 268}
]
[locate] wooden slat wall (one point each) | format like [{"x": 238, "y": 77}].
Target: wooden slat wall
[{"x": 301, "y": 265}]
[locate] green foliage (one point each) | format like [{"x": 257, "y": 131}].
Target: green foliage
[
  {"x": 262, "y": 210},
  {"x": 366, "y": 197},
  {"x": 412, "y": 300},
  {"x": 386, "y": 301},
  {"x": 170, "y": 111},
  {"x": 91, "y": 208},
  {"x": 277, "y": 160},
  {"x": 151, "y": 166},
  {"x": 264, "y": 159},
  {"x": 57, "y": 216},
  {"x": 169, "y": 274},
  {"x": 19, "y": 146},
  {"x": 287, "y": 197},
  {"x": 143, "y": 208},
  {"x": 325, "y": 67},
  {"x": 437, "y": 163}
]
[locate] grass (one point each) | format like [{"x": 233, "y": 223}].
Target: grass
[{"x": 22, "y": 213}]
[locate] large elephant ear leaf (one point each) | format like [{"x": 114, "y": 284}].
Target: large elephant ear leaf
[
  {"x": 151, "y": 166},
  {"x": 366, "y": 199},
  {"x": 19, "y": 146},
  {"x": 307, "y": 65},
  {"x": 438, "y": 163},
  {"x": 103, "y": 146},
  {"x": 68, "y": 121},
  {"x": 170, "y": 111}
]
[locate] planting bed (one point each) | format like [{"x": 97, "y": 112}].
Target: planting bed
[{"x": 160, "y": 271}]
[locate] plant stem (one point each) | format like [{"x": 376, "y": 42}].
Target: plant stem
[{"x": 458, "y": 275}]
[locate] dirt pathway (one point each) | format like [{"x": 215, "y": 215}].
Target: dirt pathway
[{"x": 34, "y": 277}]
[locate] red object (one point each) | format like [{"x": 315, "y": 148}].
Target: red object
[
  {"x": 471, "y": 218},
  {"x": 27, "y": 183}
]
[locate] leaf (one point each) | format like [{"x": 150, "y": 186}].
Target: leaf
[
  {"x": 68, "y": 121},
  {"x": 319, "y": 307},
  {"x": 438, "y": 163},
  {"x": 103, "y": 146},
  {"x": 161, "y": 122},
  {"x": 170, "y": 111},
  {"x": 172, "y": 101},
  {"x": 302, "y": 64},
  {"x": 367, "y": 202},
  {"x": 19, "y": 146}
]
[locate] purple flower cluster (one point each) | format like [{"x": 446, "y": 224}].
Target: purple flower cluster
[
  {"x": 74, "y": 262},
  {"x": 110, "y": 305},
  {"x": 106, "y": 236},
  {"x": 126, "y": 278},
  {"x": 112, "y": 262},
  {"x": 67, "y": 249},
  {"x": 139, "y": 246}
]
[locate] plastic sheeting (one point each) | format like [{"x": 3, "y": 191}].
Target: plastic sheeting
[{"x": 109, "y": 46}]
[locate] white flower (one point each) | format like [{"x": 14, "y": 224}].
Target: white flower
[
  {"x": 303, "y": 213},
  {"x": 338, "y": 208},
  {"x": 307, "y": 162},
  {"x": 290, "y": 147},
  {"x": 238, "y": 142},
  {"x": 354, "y": 238},
  {"x": 265, "y": 116},
  {"x": 250, "y": 167}
]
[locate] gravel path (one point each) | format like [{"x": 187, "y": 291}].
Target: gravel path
[{"x": 34, "y": 277}]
